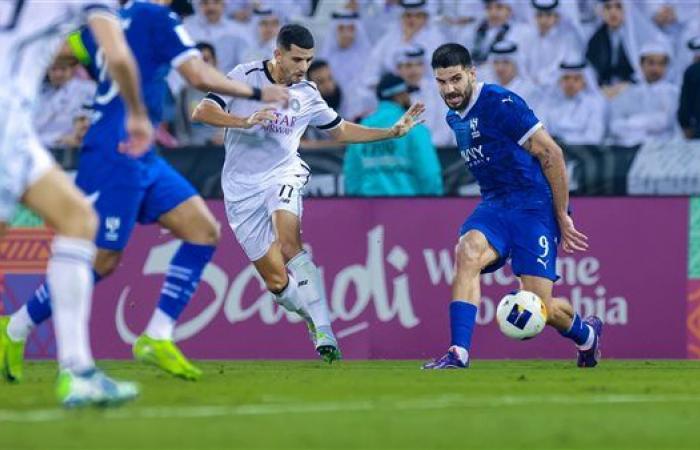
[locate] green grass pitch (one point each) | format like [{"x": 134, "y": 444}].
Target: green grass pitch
[{"x": 371, "y": 405}]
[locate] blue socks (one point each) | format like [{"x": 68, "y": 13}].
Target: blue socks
[
  {"x": 183, "y": 277},
  {"x": 39, "y": 306},
  {"x": 180, "y": 283},
  {"x": 579, "y": 331},
  {"x": 462, "y": 320}
]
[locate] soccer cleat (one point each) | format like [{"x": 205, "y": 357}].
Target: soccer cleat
[
  {"x": 93, "y": 388},
  {"x": 449, "y": 360},
  {"x": 590, "y": 357},
  {"x": 327, "y": 345},
  {"x": 165, "y": 355},
  {"x": 11, "y": 354}
]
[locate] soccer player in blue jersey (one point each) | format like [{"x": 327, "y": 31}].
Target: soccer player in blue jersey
[
  {"x": 127, "y": 190},
  {"x": 523, "y": 214}
]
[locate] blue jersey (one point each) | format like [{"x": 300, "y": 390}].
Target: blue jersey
[
  {"x": 490, "y": 134},
  {"x": 158, "y": 41}
]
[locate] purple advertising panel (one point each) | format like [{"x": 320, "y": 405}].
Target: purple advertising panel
[{"x": 387, "y": 266}]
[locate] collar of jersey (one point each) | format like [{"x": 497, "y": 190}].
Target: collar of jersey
[{"x": 473, "y": 100}]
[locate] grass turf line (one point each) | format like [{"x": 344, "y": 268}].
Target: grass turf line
[{"x": 376, "y": 404}]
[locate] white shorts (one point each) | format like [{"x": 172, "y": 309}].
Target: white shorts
[
  {"x": 251, "y": 218},
  {"x": 23, "y": 160}
]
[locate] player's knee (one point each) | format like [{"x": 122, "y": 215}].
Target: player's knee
[
  {"x": 210, "y": 233},
  {"x": 276, "y": 282},
  {"x": 290, "y": 248},
  {"x": 79, "y": 220},
  {"x": 469, "y": 254}
]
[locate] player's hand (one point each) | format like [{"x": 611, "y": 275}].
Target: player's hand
[
  {"x": 275, "y": 94},
  {"x": 571, "y": 239},
  {"x": 260, "y": 117},
  {"x": 140, "y": 131},
  {"x": 409, "y": 120}
]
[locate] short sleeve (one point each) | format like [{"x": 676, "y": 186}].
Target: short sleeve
[
  {"x": 173, "y": 44},
  {"x": 91, "y": 8},
  {"x": 516, "y": 119},
  {"x": 323, "y": 116},
  {"x": 237, "y": 74}
]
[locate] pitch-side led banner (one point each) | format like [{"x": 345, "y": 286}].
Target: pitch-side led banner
[{"x": 387, "y": 266}]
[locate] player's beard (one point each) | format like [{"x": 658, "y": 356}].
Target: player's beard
[{"x": 466, "y": 97}]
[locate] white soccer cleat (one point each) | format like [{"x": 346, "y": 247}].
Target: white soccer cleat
[{"x": 93, "y": 388}]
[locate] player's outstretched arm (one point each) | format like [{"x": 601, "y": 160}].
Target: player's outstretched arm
[
  {"x": 206, "y": 78},
  {"x": 211, "y": 113},
  {"x": 123, "y": 70},
  {"x": 348, "y": 132},
  {"x": 551, "y": 157}
]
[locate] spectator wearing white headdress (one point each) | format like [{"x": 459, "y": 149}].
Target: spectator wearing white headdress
[
  {"x": 497, "y": 25},
  {"x": 265, "y": 24},
  {"x": 412, "y": 66},
  {"x": 647, "y": 110},
  {"x": 548, "y": 41},
  {"x": 615, "y": 47},
  {"x": 382, "y": 17},
  {"x": 209, "y": 24},
  {"x": 415, "y": 29},
  {"x": 346, "y": 47},
  {"x": 575, "y": 111},
  {"x": 505, "y": 69}
]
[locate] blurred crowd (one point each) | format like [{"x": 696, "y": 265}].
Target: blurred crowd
[{"x": 596, "y": 72}]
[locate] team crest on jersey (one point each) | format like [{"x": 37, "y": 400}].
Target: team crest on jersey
[
  {"x": 112, "y": 224},
  {"x": 473, "y": 125},
  {"x": 295, "y": 105}
]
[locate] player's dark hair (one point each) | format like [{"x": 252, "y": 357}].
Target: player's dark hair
[
  {"x": 317, "y": 65},
  {"x": 295, "y": 34},
  {"x": 449, "y": 55},
  {"x": 206, "y": 46}
]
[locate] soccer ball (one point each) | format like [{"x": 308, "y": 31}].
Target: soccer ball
[{"x": 521, "y": 315}]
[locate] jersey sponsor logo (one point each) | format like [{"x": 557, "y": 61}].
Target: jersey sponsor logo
[
  {"x": 474, "y": 156},
  {"x": 283, "y": 124}
]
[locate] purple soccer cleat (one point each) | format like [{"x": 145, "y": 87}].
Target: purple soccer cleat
[
  {"x": 589, "y": 358},
  {"x": 449, "y": 361}
]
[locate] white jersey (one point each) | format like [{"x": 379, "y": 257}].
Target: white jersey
[
  {"x": 30, "y": 33},
  {"x": 265, "y": 154}
]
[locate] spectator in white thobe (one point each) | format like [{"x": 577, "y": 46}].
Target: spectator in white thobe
[
  {"x": 209, "y": 24},
  {"x": 548, "y": 41},
  {"x": 574, "y": 111},
  {"x": 504, "y": 68},
  {"x": 412, "y": 65},
  {"x": 266, "y": 23},
  {"x": 647, "y": 110},
  {"x": 61, "y": 106}
]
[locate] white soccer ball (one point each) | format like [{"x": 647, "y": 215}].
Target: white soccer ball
[{"x": 521, "y": 315}]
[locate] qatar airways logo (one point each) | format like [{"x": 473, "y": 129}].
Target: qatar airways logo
[{"x": 283, "y": 124}]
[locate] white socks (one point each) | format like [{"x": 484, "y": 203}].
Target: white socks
[
  {"x": 311, "y": 290},
  {"x": 289, "y": 298},
  {"x": 20, "y": 325},
  {"x": 161, "y": 326},
  {"x": 70, "y": 280}
]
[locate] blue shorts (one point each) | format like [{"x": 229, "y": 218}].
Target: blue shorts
[
  {"x": 126, "y": 191},
  {"x": 528, "y": 237}
]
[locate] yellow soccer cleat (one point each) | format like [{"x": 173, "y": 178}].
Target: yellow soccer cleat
[
  {"x": 11, "y": 354},
  {"x": 165, "y": 355}
]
